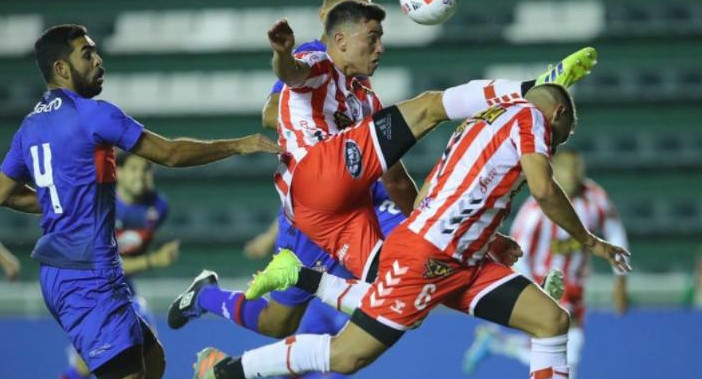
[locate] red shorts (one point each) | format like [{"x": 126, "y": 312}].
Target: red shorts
[
  {"x": 331, "y": 196},
  {"x": 414, "y": 277}
]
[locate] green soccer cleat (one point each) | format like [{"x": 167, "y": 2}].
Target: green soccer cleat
[
  {"x": 553, "y": 284},
  {"x": 571, "y": 69},
  {"x": 279, "y": 275},
  {"x": 207, "y": 358}
]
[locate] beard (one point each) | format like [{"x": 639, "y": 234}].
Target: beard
[{"x": 86, "y": 87}]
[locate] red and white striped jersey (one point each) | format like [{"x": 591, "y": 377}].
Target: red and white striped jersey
[
  {"x": 322, "y": 106},
  {"x": 547, "y": 246},
  {"x": 471, "y": 186}
]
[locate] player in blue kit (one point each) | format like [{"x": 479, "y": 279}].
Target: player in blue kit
[
  {"x": 140, "y": 212},
  {"x": 294, "y": 309},
  {"x": 65, "y": 148}
]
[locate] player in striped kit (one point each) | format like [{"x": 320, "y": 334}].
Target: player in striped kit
[
  {"x": 546, "y": 246},
  {"x": 326, "y": 93},
  {"x": 283, "y": 315},
  {"x": 440, "y": 254}
]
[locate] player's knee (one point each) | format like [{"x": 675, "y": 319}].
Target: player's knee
[
  {"x": 349, "y": 363},
  {"x": 277, "y": 330},
  {"x": 554, "y": 322}
]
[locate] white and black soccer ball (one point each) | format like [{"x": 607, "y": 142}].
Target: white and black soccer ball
[{"x": 429, "y": 12}]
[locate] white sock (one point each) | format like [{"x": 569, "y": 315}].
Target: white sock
[
  {"x": 293, "y": 356},
  {"x": 463, "y": 101},
  {"x": 548, "y": 357},
  {"x": 576, "y": 340},
  {"x": 344, "y": 295}
]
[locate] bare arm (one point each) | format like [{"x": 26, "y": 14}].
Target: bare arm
[
  {"x": 162, "y": 257},
  {"x": 9, "y": 263},
  {"x": 400, "y": 187},
  {"x": 184, "y": 152},
  {"x": 290, "y": 70},
  {"x": 18, "y": 196},
  {"x": 270, "y": 112},
  {"x": 262, "y": 245},
  {"x": 555, "y": 204}
]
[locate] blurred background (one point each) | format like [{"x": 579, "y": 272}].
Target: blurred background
[{"x": 201, "y": 69}]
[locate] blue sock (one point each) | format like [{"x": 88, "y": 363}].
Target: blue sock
[{"x": 231, "y": 305}]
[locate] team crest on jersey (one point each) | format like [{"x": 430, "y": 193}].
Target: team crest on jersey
[
  {"x": 354, "y": 107},
  {"x": 354, "y": 159},
  {"x": 435, "y": 269}
]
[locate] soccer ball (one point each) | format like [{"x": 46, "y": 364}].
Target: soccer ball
[{"x": 429, "y": 12}]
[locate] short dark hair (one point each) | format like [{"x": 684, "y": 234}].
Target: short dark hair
[
  {"x": 354, "y": 12},
  {"x": 560, "y": 94},
  {"x": 123, "y": 156},
  {"x": 55, "y": 44}
]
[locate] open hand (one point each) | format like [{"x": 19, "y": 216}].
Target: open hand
[{"x": 617, "y": 256}]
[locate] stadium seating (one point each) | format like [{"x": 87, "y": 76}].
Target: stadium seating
[{"x": 184, "y": 69}]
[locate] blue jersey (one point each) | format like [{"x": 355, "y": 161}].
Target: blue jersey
[
  {"x": 137, "y": 223},
  {"x": 65, "y": 147},
  {"x": 314, "y": 45},
  {"x": 389, "y": 215}
]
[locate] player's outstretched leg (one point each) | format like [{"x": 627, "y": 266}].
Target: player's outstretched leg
[
  {"x": 571, "y": 69},
  {"x": 204, "y": 295},
  {"x": 184, "y": 308},
  {"x": 536, "y": 313},
  {"x": 285, "y": 271},
  {"x": 490, "y": 340},
  {"x": 279, "y": 275}
]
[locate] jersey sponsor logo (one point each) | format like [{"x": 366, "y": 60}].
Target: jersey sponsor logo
[
  {"x": 51, "y": 106},
  {"x": 354, "y": 161},
  {"x": 491, "y": 114},
  {"x": 435, "y": 268},
  {"x": 485, "y": 181}
]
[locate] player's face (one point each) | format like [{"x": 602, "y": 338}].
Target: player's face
[
  {"x": 364, "y": 47},
  {"x": 569, "y": 172},
  {"x": 136, "y": 176},
  {"x": 86, "y": 67}
]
